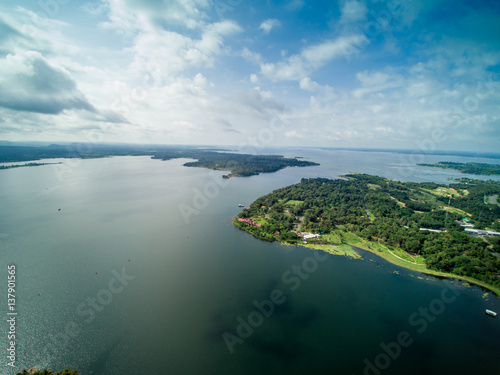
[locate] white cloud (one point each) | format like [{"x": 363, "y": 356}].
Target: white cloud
[
  {"x": 295, "y": 134},
  {"x": 164, "y": 71},
  {"x": 309, "y": 85},
  {"x": 250, "y": 56},
  {"x": 352, "y": 12},
  {"x": 376, "y": 82},
  {"x": 172, "y": 53},
  {"x": 294, "y": 5},
  {"x": 310, "y": 59},
  {"x": 95, "y": 8},
  {"x": 128, "y": 15},
  {"x": 269, "y": 24}
]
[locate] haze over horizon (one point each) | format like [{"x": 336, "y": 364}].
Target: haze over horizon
[{"x": 397, "y": 74}]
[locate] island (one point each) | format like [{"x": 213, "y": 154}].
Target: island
[
  {"x": 444, "y": 230},
  {"x": 238, "y": 165},
  {"x": 470, "y": 168}
]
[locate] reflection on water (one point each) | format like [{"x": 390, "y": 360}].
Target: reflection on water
[{"x": 196, "y": 281}]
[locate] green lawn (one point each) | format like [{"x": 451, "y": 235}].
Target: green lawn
[{"x": 293, "y": 203}]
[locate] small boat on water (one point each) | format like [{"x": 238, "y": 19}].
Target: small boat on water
[
  {"x": 241, "y": 205},
  {"x": 491, "y": 313}
]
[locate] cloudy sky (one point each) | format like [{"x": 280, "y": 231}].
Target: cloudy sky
[{"x": 398, "y": 73}]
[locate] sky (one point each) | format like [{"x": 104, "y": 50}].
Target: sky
[{"x": 405, "y": 74}]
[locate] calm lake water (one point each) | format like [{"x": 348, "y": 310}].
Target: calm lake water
[{"x": 142, "y": 272}]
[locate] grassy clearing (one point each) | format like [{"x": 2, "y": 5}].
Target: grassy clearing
[
  {"x": 455, "y": 210},
  {"x": 343, "y": 249},
  {"x": 370, "y": 215},
  {"x": 400, "y": 204},
  {"x": 334, "y": 237},
  {"x": 294, "y": 203},
  {"x": 444, "y": 192},
  {"x": 374, "y": 186}
]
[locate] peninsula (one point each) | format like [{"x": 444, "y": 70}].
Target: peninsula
[
  {"x": 471, "y": 168},
  {"x": 24, "y": 165},
  {"x": 445, "y": 230}
]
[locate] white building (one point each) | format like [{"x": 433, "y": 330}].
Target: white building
[{"x": 310, "y": 236}]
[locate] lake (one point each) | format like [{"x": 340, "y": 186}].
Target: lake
[{"x": 142, "y": 272}]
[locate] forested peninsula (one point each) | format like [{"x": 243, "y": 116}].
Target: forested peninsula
[
  {"x": 24, "y": 165},
  {"x": 238, "y": 165},
  {"x": 470, "y": 168},
  {"x": 447, "y": 230},
  {"x": 34, "y": 371}
]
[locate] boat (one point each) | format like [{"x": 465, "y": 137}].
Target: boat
[
  {"x": 241, "y": 205},
  {"x": 491, "y": 313}
]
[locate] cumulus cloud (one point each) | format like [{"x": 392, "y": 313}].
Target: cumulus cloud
[
  {"x": 171, "y": 52},
  {"x": 308, "y": 84},
  {"x": 269, "y": 24},
  {"x": 31, "y": 83},
  {"x": 174, "y": 71}
]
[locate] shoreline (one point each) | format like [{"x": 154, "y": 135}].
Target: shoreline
[
  {"x": 393, "y": 259},
  {"x": 386, "y": 254}
]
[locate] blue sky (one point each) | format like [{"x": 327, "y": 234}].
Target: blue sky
[{"x": 383, "y": 74}]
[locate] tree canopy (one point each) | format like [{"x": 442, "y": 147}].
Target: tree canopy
[
  {"x": 419, "y": 218},
  {"x": 47, "y": 372}
]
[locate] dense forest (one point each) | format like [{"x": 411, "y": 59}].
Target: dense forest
[
  {"x": 421, "y": 219},
  {"x": 238, "y": 164},
  {"x": 47, "y": 372},
  {"x": 24, "y": 165},
  {"x": 471, "y": 168}
]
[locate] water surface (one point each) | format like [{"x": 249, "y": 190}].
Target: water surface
[{"x": 193, "y": 276}]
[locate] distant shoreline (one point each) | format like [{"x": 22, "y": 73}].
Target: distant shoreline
[
  {"x": 481, "y": 169},
  {"x": 238, "y": 165},
  {"x": 25, "y": 165}
]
